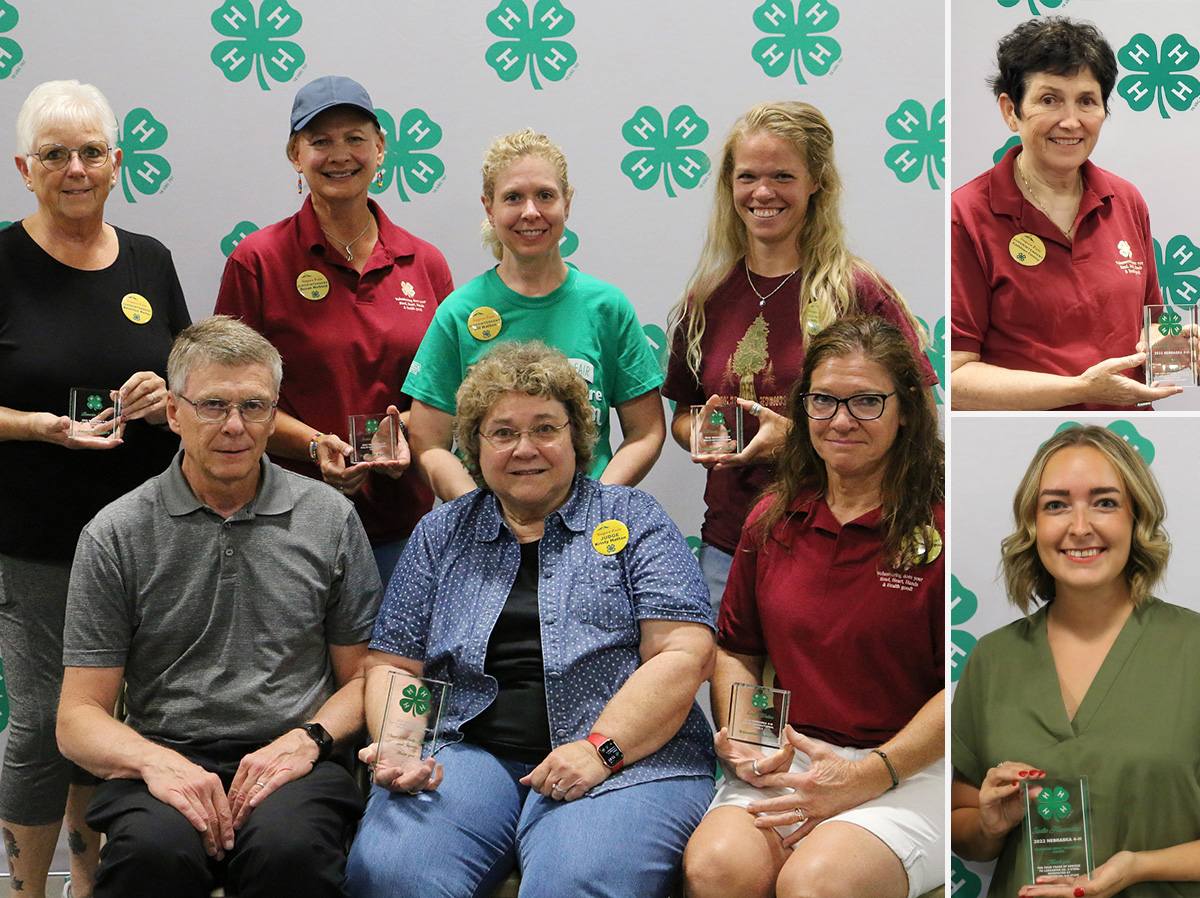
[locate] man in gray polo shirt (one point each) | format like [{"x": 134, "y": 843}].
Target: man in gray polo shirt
[{"x": 235, "y": 599}]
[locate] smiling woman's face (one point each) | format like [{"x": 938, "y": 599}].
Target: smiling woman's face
[
  {"x": 338, "y": 153},
  {"x": 529, "y": 479}
]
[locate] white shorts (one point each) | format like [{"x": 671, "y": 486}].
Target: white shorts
[{"x": 909, "y": 819}]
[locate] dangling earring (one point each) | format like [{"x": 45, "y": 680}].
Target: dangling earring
[
  {"x": 300, "y": 184},
  {"x": 379, "y": 177}
]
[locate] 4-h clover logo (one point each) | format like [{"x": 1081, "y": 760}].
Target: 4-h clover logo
[
  {"x": 372, "y": 426},
  {"x": 923, "y": 142},
  {"x": 239, "y": 233},
  {"x": 1159, "y": 76},
  {"x": 761, "y": 700},
  {"x": 717, "y": 419},
  {"x": 1170, "y": 323},
  {"x": 1125, "y": 431},
  {"x": 1014, "y": 141},
  {"x": 531, "y": 39},
  {"x": 936, "y": 353},
  {"x": 11, "y": 53},
  {"x": 94, "y": 403},
  {"x": 694, "y": 543},
  {"x": 664, "y": 148},
  {"x": 1177, "y": 263},
  {"x": 569, "y": 243},
  {"x": 415, "y": 700},
  {"x": 404, "y": 158},
  {"x": 796, "y": 38},
  {"x": 141, "y": 169},
  {"x": 963, "y": 882},
  {"x": 1053, "y": 803},
  {"x": 963, "y": 605},
  {"x": 1033, "y": 4},
  {"x": 657, "y": 338},
  {"x": 257, "y": 46}
]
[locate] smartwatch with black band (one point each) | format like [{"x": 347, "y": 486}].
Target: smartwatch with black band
[{"x": 319, "y": 735}]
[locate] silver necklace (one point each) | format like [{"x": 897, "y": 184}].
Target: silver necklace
[
  {"x": 762, "y": 300},
  {"x": 1066, "y": 231},
  {"x": 349, "y": 255}
]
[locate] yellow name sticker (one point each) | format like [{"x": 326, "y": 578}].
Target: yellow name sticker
[
  {"x": 136, "y": 308},
  {"x": 610, "y": 537},
  {"x": 312, "y": 285},
  {"x": 1027, "y": 249},
  {"x": 929, "y": 544},
  {"x": 484, "y": 323}
]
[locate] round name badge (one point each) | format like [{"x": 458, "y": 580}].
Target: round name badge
[
  {"x": 929, "y": 544},
  {"x": 484, "y": 323},
  {"x": 136, "y": 308},
  {"x": 610, "y": 537},
  {"x": 312, "y": 285},
  {"x": 1027, "y": 249}
]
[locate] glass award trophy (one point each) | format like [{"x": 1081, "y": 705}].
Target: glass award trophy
[
  {"x": 95, "y": 414},
  {"x": 1058, "y": 835},
  {"x": 410, "y": 719},
  {"x": 758, "y": 714},
  {"x": 717, "y": 429},
  {"x": 1170, "y": 340},
  {"x": 373, "y": 438}
]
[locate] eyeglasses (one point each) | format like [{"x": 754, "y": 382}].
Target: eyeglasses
[
  {"x": 56, "y": 157},
  {"x": 508, "y": 437},
  {"x": 254, "y": 410},
  {"x": 863, "y": 406}
]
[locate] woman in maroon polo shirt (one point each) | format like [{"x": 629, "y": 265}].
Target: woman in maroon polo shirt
[{"x": 839, "y": 580}]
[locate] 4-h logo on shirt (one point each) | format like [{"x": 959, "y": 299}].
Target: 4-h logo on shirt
[
  {"x": 1053, "y": 803},
  {"x": 1034, "y": 4},
  {"x": 1125, "y": 431},
  {"x": 1159, "y": 76},
  {"x": 1128, "y": 263},
  {"x": 11, "y": 53},
  {"x": 405, "y": 158},
  {"x": 531, "y": 39},
  {"x": 239, "y": 233},
  {"x": 142, "y": 170},
  {"x": 1177, "y": 264},
  {"x": 664, "y": 149},
  {"x": 257, "y": 42},
  {"x": 963, "y": 605},
  {"x": 796, "y": 38},
  {"x": 963, "y": 882},
  {"x": 922, "y": 144}
]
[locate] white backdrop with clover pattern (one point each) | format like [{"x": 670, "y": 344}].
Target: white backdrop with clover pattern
[{"x": 640, "y": 96}]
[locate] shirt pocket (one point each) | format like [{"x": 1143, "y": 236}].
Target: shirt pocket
[{"x": 600, "y": 598}]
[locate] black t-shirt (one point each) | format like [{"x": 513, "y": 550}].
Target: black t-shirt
[
  {"x": 61, "y": 327},
  {"x": 516, "y": 726}
]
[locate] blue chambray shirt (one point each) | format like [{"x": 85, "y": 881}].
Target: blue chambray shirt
[{"x": 455, "y": 576}]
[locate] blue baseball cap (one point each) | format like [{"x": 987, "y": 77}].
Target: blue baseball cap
[{"x": 325, "y": 93}]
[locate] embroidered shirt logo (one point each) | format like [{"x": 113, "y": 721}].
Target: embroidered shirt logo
[
  {"x": 1129, "y": 265},
  {"x": 409, "y": 300}
]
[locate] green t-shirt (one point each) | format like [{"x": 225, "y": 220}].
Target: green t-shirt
[
  {"x": 592, "y": 322},
  {"x": 1136, "y": 735}
]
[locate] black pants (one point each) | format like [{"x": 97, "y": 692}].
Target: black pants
[{"x": 293, "y": 845}]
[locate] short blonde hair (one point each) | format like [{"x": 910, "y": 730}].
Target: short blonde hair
[
  {"x": 532, "y": 368},
  {"x": 58, "y": 104},
  {"x": 506, "y": 150},
  {"x": 1026, "y": 579}
]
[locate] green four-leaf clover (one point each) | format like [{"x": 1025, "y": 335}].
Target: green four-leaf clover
[
  {"x": 1159, "y": 76},
  {"x": 716, "y": 419},
  {"x": 11, "y": 53},
  {"x": 1176, "y": 264},
  {"x": 760, "y": 699},
  {"x": 963, "y": 605},
  {"x": 795, "y": 37},
  {"x": 1170, "y": 323},
  {"x": 94, "y": 402},
  {"x": 257, "y": 46},
  {"x": 1033, "y": 5},
  {"x": 1013, "y": 141},
  {"x": 415, "y": 700},
  {"x": 923, "y": 142},
  {"x": 141, "y": 169},
  {"x": 531, "y": 39},
  {"x": 1053, "y": 803},
  {"x": 240, "y": 230},
  {"x": 405, "y": 159},
  {"x": 936, "y": 353},
  {"x": 664, "y": 148}
]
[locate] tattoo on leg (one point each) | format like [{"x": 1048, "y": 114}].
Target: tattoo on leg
[
  {"x": 76, "y": 842},
  {"x": 10, "y": 844}
]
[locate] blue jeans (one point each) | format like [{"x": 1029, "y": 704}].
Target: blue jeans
[
  {"x": 714, "y": 565},
  {"x": 386, "y": 556},
  {"x": 462, "y": 840}
]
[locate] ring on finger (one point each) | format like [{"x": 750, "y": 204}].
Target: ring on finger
[
  {"x": 755, "y": 409},
  {"x": 754, "y": 764},
  {"x": 556, "y": 788},
  {"x": 800, "y": 818},
  {"x": 260, "y": 784}
]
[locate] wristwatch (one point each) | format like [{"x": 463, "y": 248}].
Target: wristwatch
[
  {"x": 319, "y": 735},
  {"x": 611, "y": 755}
]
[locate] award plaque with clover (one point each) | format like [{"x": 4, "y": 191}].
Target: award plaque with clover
[
  {"x": 717, "y": 429},
  {"x": 1058, "y": 835},
  {"x": 373, "y": 438},
  {"x": 1170, "y": 345},
  {"x": 410, "y": 718},
  {"x": 758, "y": 714},
  {"x": 95, "y": 414}
]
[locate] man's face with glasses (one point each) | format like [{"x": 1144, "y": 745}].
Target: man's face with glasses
[{"x": 71, "y": 170}]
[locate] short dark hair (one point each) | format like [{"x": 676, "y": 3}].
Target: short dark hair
[{"x": 1055, "y": 45}]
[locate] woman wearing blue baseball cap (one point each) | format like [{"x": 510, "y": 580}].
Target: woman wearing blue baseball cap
[{"x": 345, "y": 296}]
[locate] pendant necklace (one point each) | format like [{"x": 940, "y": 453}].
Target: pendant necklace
[
  {"x": 762, "y": 300},
  {"x": 1066, "y": 231},
  {"x": 349, "y": 255}
]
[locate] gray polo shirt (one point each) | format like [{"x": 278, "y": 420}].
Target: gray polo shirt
[{"x": 222, "y": 625}]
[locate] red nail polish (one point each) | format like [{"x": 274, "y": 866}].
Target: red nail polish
[
  {"x": 1014, "y": 782},
  {"x": 1022, "y": 773},
  {"x": 1079, "y": 892}
]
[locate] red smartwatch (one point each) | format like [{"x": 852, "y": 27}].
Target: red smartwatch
[{"x": 610, "y": 755}]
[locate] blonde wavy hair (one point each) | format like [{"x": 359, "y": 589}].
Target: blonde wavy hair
[
  {"x": 827, "y": 267},
  {"x": 506, "y": 150},
  {"x": 1026, "y": 579}
]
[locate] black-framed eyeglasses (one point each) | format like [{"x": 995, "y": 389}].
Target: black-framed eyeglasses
[
  {"x": 507, "y": 437},
  {"x": 863, "y": 406},
  {"x": 254, "y": 410},
  {"x": 56, "y": 157}
]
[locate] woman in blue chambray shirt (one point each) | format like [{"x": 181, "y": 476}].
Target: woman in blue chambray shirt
[{"x": 573, "y": 623}]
